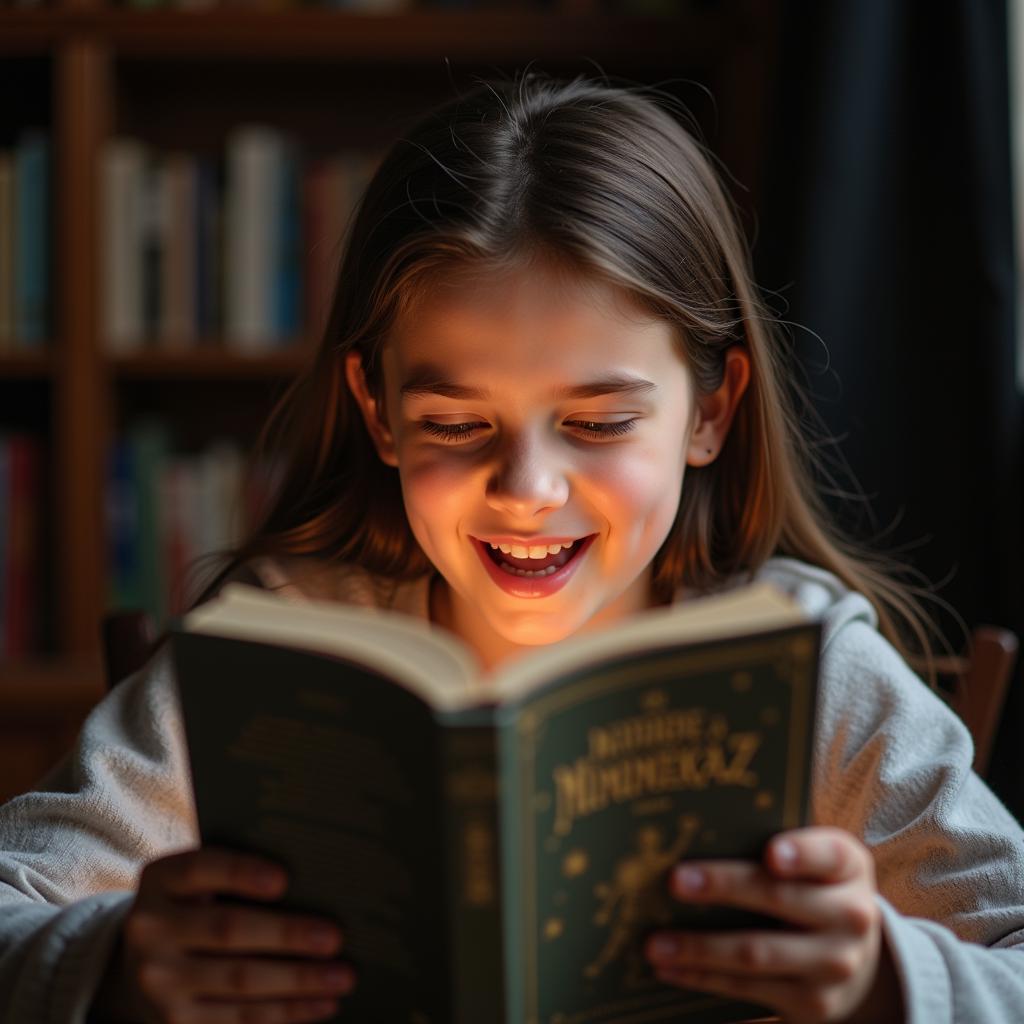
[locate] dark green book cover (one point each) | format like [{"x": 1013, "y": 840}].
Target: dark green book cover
[{"x": 502, "y": 861}]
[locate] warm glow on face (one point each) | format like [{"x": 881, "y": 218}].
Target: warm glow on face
[{"x": 494, "y": 435}]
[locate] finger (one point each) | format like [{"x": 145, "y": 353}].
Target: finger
[
  {"x": 779, "y": 996},
  {"x": 250, "y": 978},
  {"x": 220, "y": 928},
  {"x": 298, "y": 1011},
  {"x": 214, "y": 870},
  {"x": 819, "y": 854},
  {"x": 844, "y": 907},
  {"x": 785, "y": 955}
]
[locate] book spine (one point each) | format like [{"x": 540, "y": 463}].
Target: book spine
[
  {"x": 32, "y": 239},
  {"x": 6, "y": 252},
  {"x": 472, "y": 849},
  {"x": 121, "y": 176}
]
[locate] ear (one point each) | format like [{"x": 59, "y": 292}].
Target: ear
[
  {"x": 714, "y": 413},
  {"x": 376, "y": 421}
]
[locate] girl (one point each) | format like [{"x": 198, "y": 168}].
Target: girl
[{"x": 544, "y": 333}]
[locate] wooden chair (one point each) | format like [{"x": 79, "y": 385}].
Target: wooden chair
[
  {"x": 127, "y": 638},
  {"x": 977, "y": 692},
  {"x": 978, "y": 686}
]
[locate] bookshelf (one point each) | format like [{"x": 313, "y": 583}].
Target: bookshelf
[{"x": 89, "y": 71}]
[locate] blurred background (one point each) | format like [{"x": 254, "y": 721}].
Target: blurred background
[{"x": 151, "y": 311}]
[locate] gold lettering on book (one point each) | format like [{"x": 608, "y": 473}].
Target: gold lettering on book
[
  {"x": 479, "y": 888},
  {"x": 621, "y": 766}
]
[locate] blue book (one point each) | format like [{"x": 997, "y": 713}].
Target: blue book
[
  {"x": 151, "y": 444},
  {"x": 122, "y": 514},
  {"x": 32, "y": 239},
  {"x": 289, "y": 262}
]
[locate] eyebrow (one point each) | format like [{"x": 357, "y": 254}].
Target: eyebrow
[{"x": 427, "y": 379}]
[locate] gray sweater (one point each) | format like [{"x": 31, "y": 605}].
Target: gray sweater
[{"x": 891, "y": 765}]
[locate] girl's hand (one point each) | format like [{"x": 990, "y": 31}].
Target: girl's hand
[
  {"x": 184, "y": 957},
  {"x": 833, "y": 967}
]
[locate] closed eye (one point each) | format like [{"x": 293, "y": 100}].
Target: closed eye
[{"x": 593, "y": 428}]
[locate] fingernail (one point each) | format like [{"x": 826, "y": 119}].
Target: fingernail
[
  {"x": 661, "y": 947},
  {"x": 785, "y": 853},
  {"x": 690, "y": 879}
]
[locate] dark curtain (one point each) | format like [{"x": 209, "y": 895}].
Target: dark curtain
[{"x": 886, "y": 238}]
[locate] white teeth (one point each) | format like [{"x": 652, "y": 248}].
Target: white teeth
[{"x": 534, "y": 551}]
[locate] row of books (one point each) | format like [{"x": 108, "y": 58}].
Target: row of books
[
  {"x": 21, "y": 506},
  {"x": 241, "y": 250},
  {"x": 25, "y": 242},
  {"x": 165, "y": 509}
]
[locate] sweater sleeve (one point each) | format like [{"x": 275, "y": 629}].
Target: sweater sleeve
[
  {"x": 71, "y": 851},
  {"x": 893, "y": 766}
]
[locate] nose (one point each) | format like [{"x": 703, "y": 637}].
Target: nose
[{"x": 527, "y": 479}]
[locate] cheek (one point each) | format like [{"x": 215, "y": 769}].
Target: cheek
[
  {"x": 434, "y": 490},
  {"x": 639, "y": 491}
]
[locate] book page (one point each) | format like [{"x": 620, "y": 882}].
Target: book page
[{"x": 422, "y": 657}]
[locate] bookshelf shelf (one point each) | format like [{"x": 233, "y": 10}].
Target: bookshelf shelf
[
  {"x": 39, "y": 686},
  {"x": 413, "y": 36},
  {"x": 696, "y": 35},
  {"x": 27, "y": 33},
  {"x": 27, "y": 364},
  {"x": 209, "y": 365},
  {"x": 87, "y": 71}
]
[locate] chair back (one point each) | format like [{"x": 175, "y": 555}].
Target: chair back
[
  {"x": 980, "y": 683},
  {"x": 127, "y": 639}
]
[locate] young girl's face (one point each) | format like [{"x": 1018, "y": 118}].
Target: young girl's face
[{"x": 500, "y": 434}]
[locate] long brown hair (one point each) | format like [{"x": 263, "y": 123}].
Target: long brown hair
[{"x": 608, "y": 180}]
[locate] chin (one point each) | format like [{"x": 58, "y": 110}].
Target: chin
[{"x": 539, "y": 633}]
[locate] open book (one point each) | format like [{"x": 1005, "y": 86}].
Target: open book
[{"x": 496, "y": 847}]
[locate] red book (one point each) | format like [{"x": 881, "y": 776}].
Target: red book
[{"x": 24, "y": 511}]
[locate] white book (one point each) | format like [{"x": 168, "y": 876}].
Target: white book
[
  {"x": 122, "y": 166},
  {"x": 253, "y": 236},
  {"x": 6, "y": 252},
  {"x": 178, "y": 329},
  {"x": 219, "y": 487}
]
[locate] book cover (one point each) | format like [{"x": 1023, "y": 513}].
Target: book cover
[{"x": 498, "y": 849}]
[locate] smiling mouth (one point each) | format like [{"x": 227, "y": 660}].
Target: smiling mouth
[{"x": 546, "y": 566}]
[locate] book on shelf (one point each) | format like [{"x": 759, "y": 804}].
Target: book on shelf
[
  {"x": 25, "y": 243},
  {"x": 496, "y": 846},
  {"x": 21, "y": 503},
  {"x": 241, "y": 249},
  {"x": 165, "y": 509}
]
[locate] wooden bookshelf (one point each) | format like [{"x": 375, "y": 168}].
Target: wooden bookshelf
[{"x": 112, "y": 70}]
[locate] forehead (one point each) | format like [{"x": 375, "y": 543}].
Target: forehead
[{"x": 535, "y": 323}]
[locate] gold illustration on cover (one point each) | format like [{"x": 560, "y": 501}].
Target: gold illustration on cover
[{"x": 636, "y": 895}]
